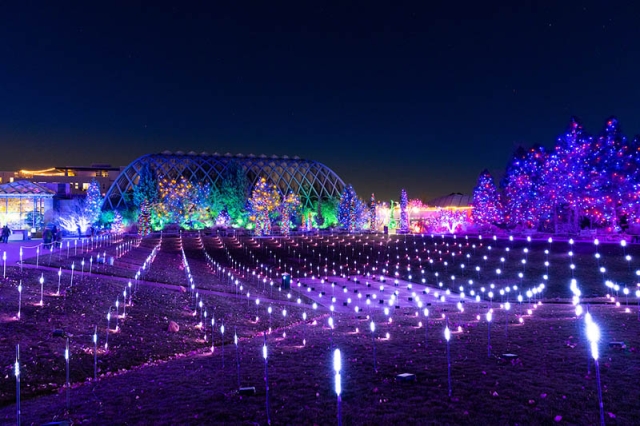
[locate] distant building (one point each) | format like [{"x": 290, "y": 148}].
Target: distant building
[
  {"x": 66, "y": 181},
  {"x": 24, "y": 205}
]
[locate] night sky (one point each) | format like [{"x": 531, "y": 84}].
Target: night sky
[{"x": 421, "y": 95}]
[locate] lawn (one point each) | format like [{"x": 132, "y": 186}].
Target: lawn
[{"x": 149, "y": 375}]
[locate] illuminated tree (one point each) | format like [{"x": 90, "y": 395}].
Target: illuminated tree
[
  {"x": 373, "y": 222},
  {"x": 290, "y": 203},
  {"x": 450, "y": 220},
  {"x": 93, "y": 202},
  {"x": 144, "y": 219},
  {"x": 521, "y": 187},
  {"x": 234, "y": 193},
  {"x": 564, "y": 175},
  {"x": 319, "y": 216},
  {"x": 404, "y": 218},
  {"x": 351, "y": 210},
  {"x": 264, "y": 201},
  {"x": 486, "y": 201},
  {"x": 117, "y": 225}
]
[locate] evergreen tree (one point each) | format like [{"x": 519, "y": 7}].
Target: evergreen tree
[
  {"x": 144, "y": 219},
  {"x": 486, "y": 201},
  {"x": 521, "y": 187},
  {"x": 93, "y": 202},
  {"x": 290, "y": 203},
  {"x": 373, "y": 221},
  {"x": 563, "y": 175},
  {"x": 606, "y": 175},
  {"x": 146, "y": 187},
  {"x": 234, "y": 192},
  {"x": 350, "y": 210},
  {"x": 264, "y": 200},
  {"x": 404, "y": 218},
  {"x": 319, "y": 216}
]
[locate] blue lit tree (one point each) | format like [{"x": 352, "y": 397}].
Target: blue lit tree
[
  {"x": 606, "y": 180},
  {"x": 351, "y": 210},
  {"x": 93, "y": 202},
  {"x": 563, "y": 176},
  {"x": 486, "y": 201},
  {"x": 521, "y": 187}
]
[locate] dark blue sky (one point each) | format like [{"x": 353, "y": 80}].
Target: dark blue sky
[{"x": 420, "y": 95}]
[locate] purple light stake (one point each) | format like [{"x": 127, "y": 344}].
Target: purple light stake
[
  {"x": 304, "y": 325},
  {"x": 284, "y": 316},
  {"x": 204, "y": 326},
  {"x": 37, "y": 257},
  {"x": 67, "y": 251},
  {"x": 331, "y": 335},
  {"x": 337, "y": 366},
  {"x": 130, "y": 293},
  {"x": 95, "y": 353},
  {"x": 19, "y": 298},
  {"x": 59, "y": 276},
  {"x": 372, "y": 327},
  {"x": 593, "y": 334},
  {"x": 20, "y": 259},
  {"x": 235, "y": 341},
  {"x": 124, "y": 303},
  {"x": 213, "y": 322},
  {"x": 266, "y": 375},
  {"x": 73, "y": 267},
  {"x": 4, "y": 261},
  {"x": 17, "y": 371},
  {"x": 269, "y": 310},
  {"x": 507, "y": 307},
  {"x": 489, "y": 318},
  {"x": 41, "y": 289},
  {"x": 117, "y": 312},
  {"x": 82, "y": 273},
  {"x": 66, "y": 359},
  {"x": 222, "y": 337},
  {"x": 90, "y": 264},
  {"x": 106, "y": 343},
  {"x": 75, "y": 247},
  {"x": 447, "y": 336},
  {"x": 426, "y": 326}
]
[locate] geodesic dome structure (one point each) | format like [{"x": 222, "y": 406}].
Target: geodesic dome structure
[{"x": 310, "y": 180}]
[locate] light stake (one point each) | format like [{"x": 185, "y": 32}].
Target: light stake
[
  {"x": 235, "y": 341},
  {"x": 106, "y": 343},
  {"x": 372, "y": 327},
  {"x": 447, "y": 336},
  {"x": 4, "y": 261},
  {"x": 222, "y": 336},
  {"x": 593, "y": 334},
  {"x": 19, "y": 298},
  {"x": 41, "y": 289},
  {"x": 95, "y": 353},
  {"x": 66, "y": 359},
  {"x": 266, "y": 375},
  {"x": 17, "y": 372},
  {"x": 489, "y": 318},
  {"x": 59, "y": 276},
  {"x": 337, "y": 366}
]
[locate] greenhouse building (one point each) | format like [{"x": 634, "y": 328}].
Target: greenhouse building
[{"x": 310, "y": 180}]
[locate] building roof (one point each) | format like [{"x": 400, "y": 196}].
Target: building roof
[
  {"x": 24, "y": 188},
  {"x": 452, "y": 200}
]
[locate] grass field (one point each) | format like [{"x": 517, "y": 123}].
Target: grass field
[{"x": 151, "y": 376}]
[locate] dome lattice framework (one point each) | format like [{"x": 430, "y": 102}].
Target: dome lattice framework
[{"x": 309, "y": 179}]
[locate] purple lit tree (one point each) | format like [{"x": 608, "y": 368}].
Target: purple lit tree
[
  {"x": 563, "y": 177},
  {"x": 606, "y": 179},
  {"x": 404, "y": 217},
  {"x": 486, "y": 201},
  {"x": 521, "y": 187}
]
